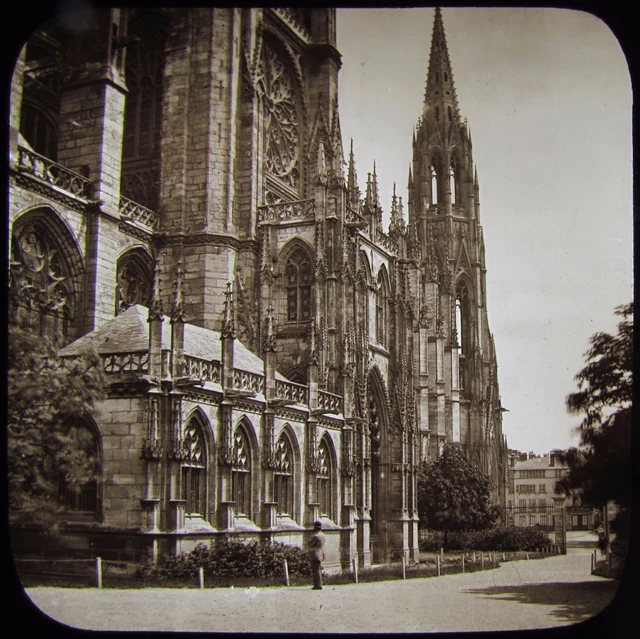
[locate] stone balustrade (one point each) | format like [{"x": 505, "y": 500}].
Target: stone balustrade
[
  {"x": 118, "y": 363},
  {"x": 48, "y": 171},
  {"x": 297, "y": 393},
  {"x": 135, "y": 212},
  {"x": 244, "y": 380},
  {"x": 287, "y": 211},
  {"x": 329, "y": 402},
  {"x": 206, "y": 370}
]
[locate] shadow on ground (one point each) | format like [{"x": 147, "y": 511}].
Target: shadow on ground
[{"x": 573, "y": 601}]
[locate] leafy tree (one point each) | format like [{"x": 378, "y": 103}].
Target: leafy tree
[
  {"x": 600, "y": 469},
  {"x": 454, "y": 495},
  {"x": 45, "y": 396}
]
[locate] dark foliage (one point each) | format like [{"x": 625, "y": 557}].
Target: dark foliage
[
  {"x": 45, "y": 396},
  {"x": 600, "y": 469},
  {"x": 233, "y": 558},
  {"x": 499, "y": 539},
  {"x": 454, "y": 495}
]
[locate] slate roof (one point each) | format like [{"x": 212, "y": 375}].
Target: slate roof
[
  {"x": 536, "y": 463},
  {"x": 129, "y": 332}
]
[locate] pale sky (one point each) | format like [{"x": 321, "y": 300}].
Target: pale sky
[{"x": 547, "y": 96}]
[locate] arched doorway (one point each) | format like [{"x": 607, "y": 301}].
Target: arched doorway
[{"x": 377, "y": 419}]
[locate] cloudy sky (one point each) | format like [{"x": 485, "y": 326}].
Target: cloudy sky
[{"x": 547, "y": 95}]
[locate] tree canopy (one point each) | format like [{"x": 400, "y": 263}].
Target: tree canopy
[
  {"x": 600, "y": 469},
  {"x": 47, "y": 397},
  {"x": 454, "y": 495}
]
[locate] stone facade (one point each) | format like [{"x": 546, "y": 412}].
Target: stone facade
[{"x": 192, "y": 160}]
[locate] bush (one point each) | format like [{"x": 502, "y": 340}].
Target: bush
[
  {"x": 499, "y": 539},
  {"x": 232, "y": 558}
]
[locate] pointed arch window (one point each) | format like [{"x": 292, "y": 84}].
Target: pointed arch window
[
  {"x": 143, "y": 109},
  {"x": 81, "y": 500},
  {"x": 437, "y": 112},
  {"x": 41, "y": 298},
  {"x": 434, "y": 184},
  {"x": 299, "y": 279},
  {"x": 462, "y": 320},
  {"x": 283, "y": 477},
  {"x": 324, "y": 479},
  {"x": 453, "y": 183},
  {"x": 241, "y": 473},
  {"x": 450, "y": 114},
  {"x": 194, "y": 471},
  {"x": 134, "y": 282},
  {"x": 381, "y": 311}
]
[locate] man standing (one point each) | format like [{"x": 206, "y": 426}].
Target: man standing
[{"x": 316, "y": 554}]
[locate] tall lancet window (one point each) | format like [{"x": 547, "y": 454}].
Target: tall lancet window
[
  {"x": 382, "y": 297},
  {"x": 241, "y": 473},
  {"x": 462, "y": 330},
  {"x": 453, "y": 183},
  {"x": 434, "y": 184},
  {"x": 283, "y": 477},
  {"x": 194, "y": 470},
  {"x": 299, "y": 278},
  {"x": 324, "y": 479}
]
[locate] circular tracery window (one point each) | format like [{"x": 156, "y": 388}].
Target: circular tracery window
[{"x": 281, "y": 120}]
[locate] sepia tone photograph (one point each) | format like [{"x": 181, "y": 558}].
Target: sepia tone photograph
[{"x": 320, "y": 320}]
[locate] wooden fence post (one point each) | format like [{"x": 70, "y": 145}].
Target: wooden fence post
[
  {"x": 462, "y": 562},
  {"x": 99, "y": 572},
  {"x": 355, "y": 569},
  {"x": 286, "y": 573},
  {"x": 481, "y": 560},
  {"x": 201, "y": 577},
  {"x": 404, "y": 567},
  {"x": 438, "y": 564}
]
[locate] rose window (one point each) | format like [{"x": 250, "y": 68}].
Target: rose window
[{"x": 281, "y": 120}]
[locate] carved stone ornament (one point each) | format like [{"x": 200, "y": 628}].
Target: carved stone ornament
[{"x": 281, "y": 118}]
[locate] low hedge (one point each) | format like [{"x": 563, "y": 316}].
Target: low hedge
[
  {"x": 499, "y": 539},
  {"x": 232, "y": 558}
]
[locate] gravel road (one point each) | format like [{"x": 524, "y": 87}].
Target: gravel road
[{"x": 555, "y": 591}]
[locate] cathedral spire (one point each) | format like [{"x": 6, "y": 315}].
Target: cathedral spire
[
  {"x": 352, "y": 178},
  {"x": 440, "y": 100}
]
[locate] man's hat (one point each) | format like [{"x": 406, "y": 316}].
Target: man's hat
[{"x": 317, "y": 524}]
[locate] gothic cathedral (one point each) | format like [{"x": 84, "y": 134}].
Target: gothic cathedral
[{"x": 180, "y": 200}]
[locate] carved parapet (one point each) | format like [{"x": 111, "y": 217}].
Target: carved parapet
[
  {"x": 118, "y": 363},
  {"x": 287, "y": 211},
  {"x": 134, "y": 212},
  {"x": 244, "y": 380},
  {"x": 54, "y": 174}
]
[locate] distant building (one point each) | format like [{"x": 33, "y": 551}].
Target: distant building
[{"x": 531, "y": 489}]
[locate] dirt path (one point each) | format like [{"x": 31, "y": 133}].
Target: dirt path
[{"x": 522, "y": 594}]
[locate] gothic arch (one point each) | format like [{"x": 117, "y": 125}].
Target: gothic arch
[
  {"x": 296, "y": 284},
  {"x": 383, "y": 303},
  {"x": 245, "y": 468},
  {"x": 366, "y": 267},
  {"x": 47, "y": 274},
  {"x": 378, "y": 414},
  {"x": 87, "y": 500},
  {"x": 287, "y": 480},
  {"x": 328, "y": 472},
  {"x": 291, "y": 247},
  {"x": 197, "y": 471},
  {"x": 134, "y": 278}
]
